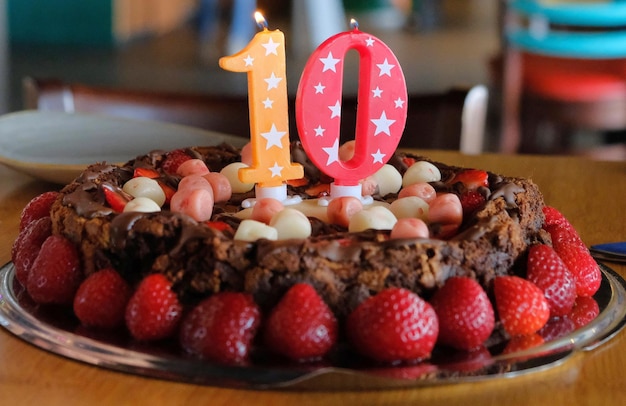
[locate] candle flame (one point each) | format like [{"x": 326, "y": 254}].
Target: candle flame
[
  {"x": 260, "y": 20},
  {"x": 354, "y": 24}
]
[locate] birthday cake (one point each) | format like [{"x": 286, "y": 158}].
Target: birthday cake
[{"x": 158, "y": 269}]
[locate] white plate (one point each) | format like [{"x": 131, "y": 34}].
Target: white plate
[{"x": 56, "y": 146}]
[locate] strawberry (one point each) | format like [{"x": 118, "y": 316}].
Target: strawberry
[
  {"x": 27, "y": 245},
  {"x": 521, "y": 305},
  {"x": 301, "y": 326},
  {"x": 101, "y": 299},
  {"x": 145, "y": 173},
  {"x": 472, "y": 178},
  {"x": 471, "y": 200},
  {"x": 407, "y": 332},
  {"x": 221, "y": 328},
  {"x": 585, "y": 310},
  {"x": 546, "y": 270},
  {"x": 560, "y": 229},
  {"x": 218, "y": 225},
  {"x": 557, "y": 327},
  {"x": 581, "y": 264},
  {"x": 153, "y": 311},
  {"x": 465, "y": 313},
  {"x": 56, "y": 272},
  {"x": 553, "y": 217},
  {"x": 115, "y": 197},
  {"x": 167, "y": 189},
  {"x": 37, "y": 208},
  {"x": 173, "y": 160},
  {"x": 521, "y": 343}
]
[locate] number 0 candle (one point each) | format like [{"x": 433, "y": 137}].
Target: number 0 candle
[
  {"x": 381, "y": 113},
  {"x": 264, "y": 61}
]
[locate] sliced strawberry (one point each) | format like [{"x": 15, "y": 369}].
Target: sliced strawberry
[
  {"x": 301, "y": 326},
  {"x": 472, "y": 178},
  {"x": 168, "y": 190},
  {"x": 546, "y": 270},
  {"x": 521, "y": 305},
  {"x": 471, "y": 201},
  {"x": 101, "y": 299},
  {"x": 115, "y": 197},
  {"x": 466, "y": 317},
  {"x": 37, "y": 208},
  {"x": 173, "y": 160},
  {"x": 319, "y": 190},
  {"x": 153, "y": 311},
  {"x": 218, "y": 225},
  {"x": 298, "y": 182},
  {"x": 56, "y": 272},
  {"x": 408, "y": 161},
  {"x": 146, "y": 173},
  {"x": 221, "y": 328},
  {"x": 409, "y": 332}
]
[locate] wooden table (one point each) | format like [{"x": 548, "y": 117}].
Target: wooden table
[{"x": 590, "y": 194}]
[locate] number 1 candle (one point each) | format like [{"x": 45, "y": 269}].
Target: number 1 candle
[
  {"x": 264, "y": 61},
  {"x": 381, "y": 113}
]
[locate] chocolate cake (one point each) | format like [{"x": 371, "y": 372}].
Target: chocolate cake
[{"x": 344, "y": 267}]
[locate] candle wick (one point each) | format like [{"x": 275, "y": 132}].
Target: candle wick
[
  {"x": 354, "y": 24},
  {"x": 262, "y": 24}
]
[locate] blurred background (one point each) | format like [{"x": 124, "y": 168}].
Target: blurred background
[{"x": 173, "y": 46}]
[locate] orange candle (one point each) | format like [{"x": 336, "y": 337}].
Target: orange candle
[{"x": 264, "y": 61}]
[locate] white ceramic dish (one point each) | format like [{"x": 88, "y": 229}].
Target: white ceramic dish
[{"x": 56, "y": 146}]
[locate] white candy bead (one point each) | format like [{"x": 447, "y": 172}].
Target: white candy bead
[
  {"x": 376, "y": 217},
  {"x": 143, "y": 205},
  {"x": 231, "y": 171},
  {"x": 291, "y": 223},
  {"x": 410, "y": 207},
  {"x": 421, "y": 171},
  {"x": 388, "y": 179},
  {"x": 252, "y": 230},
  {"x": 145, "y": 187}
]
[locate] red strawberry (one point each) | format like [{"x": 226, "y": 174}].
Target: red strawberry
[
  {"x": 465, "y": 313},
  {"x": 521, "y": 343},
  {"x": 221, "y": 328},
  {"x": 173, "y": 160},
  {"x": 585, "y": 310},
  {"x": 145, "y": 173},
  {"x": 472, "y": 178},
  {"x": 581, "y": 264},
  {"x": 168, "y": 190},
  {"x": 471, "y": 201},
  {"x": 115, "y": 197},
  {"x": 557, "y": 327},
  {"x": 394, "y": 325},
  {"x": 37, "y": 208},
  {"x": 218, "y": 225},
  {"x": 27, "y": 245},
  {"x": 549, "y": 273},
  {"x": 56, "y": 272},
  {"x": 301, "y": 326},
  {"x": 153, "y": 311},
  {"x": 560, "y": 229},
  {"x": 521, "y": 305},
  {"x": 553, "y": 217},
  {"x": 101, "y": 299}
]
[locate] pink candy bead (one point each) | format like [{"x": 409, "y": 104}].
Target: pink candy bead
[
  {"x": 246, "y": 154},
  {"x": 368, "y": 186},
  {"x": 341, "y": 209},
  {"x": 422, "y": 190},
  {"x": 446, "y": 209},
  {"x": 192, "y": 167},
  {"x": 346, "y": 150},
  {"x": 409, "y": 228},
  {"x": 222, "y": 190},
  {"x": 193, "y": 182},
  {"x": 196, "y": 203},
  {"x": 265, "y": 209}
]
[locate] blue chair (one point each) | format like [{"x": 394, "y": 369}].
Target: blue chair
[{"x": 564, "y": 70}]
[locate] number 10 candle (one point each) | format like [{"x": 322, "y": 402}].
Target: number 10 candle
[
  {"x": 381, "y": 112},
  {"x": 264, "y": 61}
]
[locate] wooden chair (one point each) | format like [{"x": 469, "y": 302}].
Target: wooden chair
[
  {"x": 434, "y": 121},
  {"x": 564, "y": 70}
]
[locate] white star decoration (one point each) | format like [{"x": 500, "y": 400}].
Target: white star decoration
[
  {"x": 382, "y": 124},
  {"x": 319, "y": 131},
  {"x": 267, "y": 103},
  {"x": 248, "y": 60},
  {"x": 377, "y": 92},
  {"x": 272, "y": 82},
  {"x": 399, "y": 103},
  {"x": 273, "y": 137},
  {"x": 336, "y": 110},
  {"x": 378, "y": 156},
  {"x": 333, "y": 152},
  {"x": 385, "y": 68},
  {"x": 271, "y": 47},
  {"x": 319, "y": 88},
  {"x": 276, "y": 170},
  {"x": 369, "y": 42},
  {"x": 329, "y": 62}
]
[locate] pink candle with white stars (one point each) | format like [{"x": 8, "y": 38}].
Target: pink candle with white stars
[
  {"x": 381, "y": 114},
  {"x": 264, "y": 61}
]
